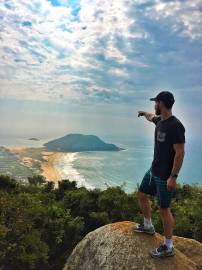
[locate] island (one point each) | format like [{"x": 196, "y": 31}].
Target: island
[
  {"x": 80, "y": 143},
  {"x": 33, "y": 139}
]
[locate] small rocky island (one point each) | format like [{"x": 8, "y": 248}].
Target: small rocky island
[
  {"x": 80, "y": 143},
  {"x": 33, "y": 139}
]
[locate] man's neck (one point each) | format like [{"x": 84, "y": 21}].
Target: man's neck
[{"x": 166, "y": 115}]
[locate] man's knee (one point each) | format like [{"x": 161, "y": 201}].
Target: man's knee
[
  {"x": 142, "y": 196},
  {"x": 166, "y": 215},
  {"x": 165, "y": 211}
]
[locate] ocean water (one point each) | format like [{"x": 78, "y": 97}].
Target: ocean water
[
  {"x": 99, "y": 169},
  {"x": 14, "y": 141}
]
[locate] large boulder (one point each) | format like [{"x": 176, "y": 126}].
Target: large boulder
[
  {"x": 117, "y": 247},
  {"x": 191, "y": 248}
]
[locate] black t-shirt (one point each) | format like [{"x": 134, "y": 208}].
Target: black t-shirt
[{"x": 167, "y": 132}]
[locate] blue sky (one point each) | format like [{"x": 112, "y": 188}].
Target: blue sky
[{"x": 89, "y": 66}]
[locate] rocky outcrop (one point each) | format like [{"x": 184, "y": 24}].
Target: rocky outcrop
[
  {"x": 191, "y": 248},
  {"x": 117, "y": 247}
]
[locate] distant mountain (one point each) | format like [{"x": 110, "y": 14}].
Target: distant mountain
[{"x": 79, "y": 143}]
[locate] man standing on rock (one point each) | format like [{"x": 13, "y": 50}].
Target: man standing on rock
[{"x": 160, "y": 179}]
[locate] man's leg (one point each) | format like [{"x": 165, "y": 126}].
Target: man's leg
[
  {"x": 144, "y": 204},
  {"x": 164, "y": 200},
  {"x": 168, "y": 222},
  {"x": 147, "y": 187}
]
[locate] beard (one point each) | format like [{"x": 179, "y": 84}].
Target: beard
[{"x": 158, "y": 111}]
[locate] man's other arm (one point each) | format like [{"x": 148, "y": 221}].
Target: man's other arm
[
  {"x": 179, "y": 157},
  {"x": 178, "y": 139},
  {"x": 177, "y": 164}
]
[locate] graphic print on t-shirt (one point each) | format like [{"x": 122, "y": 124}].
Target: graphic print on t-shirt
[{"x": 161, "y": 136}]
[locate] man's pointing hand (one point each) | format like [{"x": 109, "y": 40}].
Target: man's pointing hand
[
  {"x": 147, "y": 115},
  {"x": 141, "y": 113}
]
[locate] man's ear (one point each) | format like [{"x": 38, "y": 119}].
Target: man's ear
[{"x": 160, "y": 103}]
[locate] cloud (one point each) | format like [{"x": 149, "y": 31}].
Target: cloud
[
  {"x": 98, "y": 51},
  {"x": 186, "y": 16}
]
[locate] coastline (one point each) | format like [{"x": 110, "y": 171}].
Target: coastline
[
  {"x": 44, "y": 159},
  {"x": 49, "y": 171}
]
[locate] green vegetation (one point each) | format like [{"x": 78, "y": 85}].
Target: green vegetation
[{"x": 40, "y": 225}]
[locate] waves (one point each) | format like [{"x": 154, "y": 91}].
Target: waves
[
  {"x": 99, "y": 169},
  {"x": 65, "y": 166}
]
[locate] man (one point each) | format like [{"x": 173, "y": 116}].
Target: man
[{"x": 160, "y": 179}]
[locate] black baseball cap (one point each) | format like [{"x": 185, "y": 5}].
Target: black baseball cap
[{"x": 165, "y": 96}]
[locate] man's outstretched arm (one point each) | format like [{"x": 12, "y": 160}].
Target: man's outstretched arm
[{"x": 147, "y": 115}]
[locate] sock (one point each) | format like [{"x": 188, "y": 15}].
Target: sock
[
  {"x": 168, "y": 242},
  {"x": 147, "y": 222}
]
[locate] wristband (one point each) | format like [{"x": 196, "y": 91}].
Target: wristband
[{"x": 174, "y": 175}]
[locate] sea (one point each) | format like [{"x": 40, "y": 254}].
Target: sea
[{"x": 126, "y": 168}]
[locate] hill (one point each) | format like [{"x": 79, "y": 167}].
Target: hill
[{"x": 79, "y": 143}]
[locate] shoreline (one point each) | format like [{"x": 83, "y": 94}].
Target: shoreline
[
  {"x": 48, "y": 168},
  {"x": 29, "y": 156}
]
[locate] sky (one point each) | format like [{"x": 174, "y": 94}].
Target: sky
[{"x": 88, "y": 66}]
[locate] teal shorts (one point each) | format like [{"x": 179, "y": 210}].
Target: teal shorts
[{"x": 155, "y": 186}]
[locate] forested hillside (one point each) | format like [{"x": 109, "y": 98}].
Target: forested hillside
[{"x": 40, "y": 225}]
